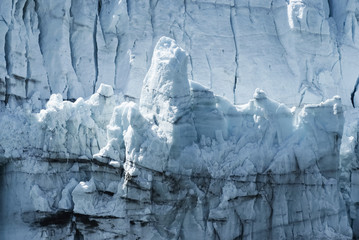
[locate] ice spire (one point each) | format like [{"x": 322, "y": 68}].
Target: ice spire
[{"x": 165, "y": 97}]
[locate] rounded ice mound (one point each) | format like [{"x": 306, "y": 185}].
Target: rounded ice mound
[
  {"x": 55, "y": 101},
  {"x": 105, "y": 90},
  {"x": 167, "y": 49},
  {"x": 259, "y": 94}
]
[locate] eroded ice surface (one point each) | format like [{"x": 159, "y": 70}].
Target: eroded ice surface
[
  {"x": 298, "y": 51},
  {"x": 183, "y": 163}
]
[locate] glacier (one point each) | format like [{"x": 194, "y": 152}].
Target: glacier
[
  {"x": 298, "y": 51},
  {"x": 193, "y": 119},
  {"x": 182, "y": 163}
]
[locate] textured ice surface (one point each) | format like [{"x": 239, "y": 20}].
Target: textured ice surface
[
  {"x": 183, "y": 163},
  {"x": 180, "y": 161},
  {"x": 298, "y": 51},
  {"x": 349, "y": 162}
]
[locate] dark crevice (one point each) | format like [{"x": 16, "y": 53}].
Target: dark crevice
[
  {"x": 232, "y": 14},
  {"x": 7, "y": 51},
  {"x": 2, "y": 19},
  {"x": 330, "y": 4},
  {"x": 191, "y": 62},
  {"x": 352, "y": 95},
  {"x": 185, "y": 34},
  {"x": 60, "y": 219},
  {"x": 151, "y": 12},
  {"x": 7, "y": 84},
  {"x": 99, "y": 9},
  {"x": 106, "y": 193},
  {"x": 28, "y": 70},
  {"x": 26, "y": 88},
  {"x": 95, "y": 52},
  {"x": 86, "y": 220},
  {"x": 45, "y": 219},
  {"x": 210, "y": 72},
  {"x": 24, "y": 9},
  {"x": 99, "y": 14},
  {"x": 39, "y": 25},
  {"x": 71, "y": 30},
  {"x": 78, "y": 235},
  {"x": 128, "y": 8},
  {"x": 99, "y": 6},
  {"x": 117, "y": 59},
  {"x": 152, "y": 20}
]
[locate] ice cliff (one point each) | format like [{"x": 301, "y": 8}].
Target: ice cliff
[
  {"x": 182, "y": 163},
  {"x": 296, "y": 50},
  {"x": 109, "y": 130}
]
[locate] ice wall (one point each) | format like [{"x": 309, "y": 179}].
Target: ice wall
[
  {"x": 168, "y": 168},
  {"x": 349, "y": 162},
  {"x": 297, "y": 51}
]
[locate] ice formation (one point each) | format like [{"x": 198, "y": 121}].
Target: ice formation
[
  {"x": 108, "y": 129},
  {"x": 298, "y": 51},
  {"x": 182, "y": 163}
]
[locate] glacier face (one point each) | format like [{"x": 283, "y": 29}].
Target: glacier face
[
  {"x": 296, "y": 50},
  {"x": 183, "y": 163},
  {"x": 180, "y": 161}
]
